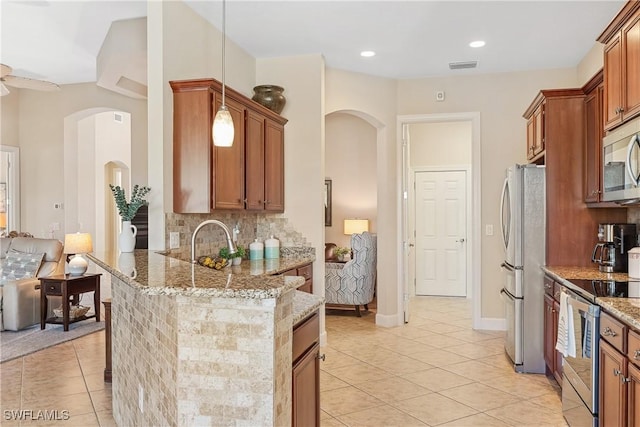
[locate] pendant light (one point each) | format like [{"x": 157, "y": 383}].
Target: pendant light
[{"x": 222, "y": 130}]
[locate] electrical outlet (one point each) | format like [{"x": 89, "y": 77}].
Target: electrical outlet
[
  {"x": 141, "y": 398},
  {"x": 174, "y": 240},
  {"x": 488, "y": 229}
]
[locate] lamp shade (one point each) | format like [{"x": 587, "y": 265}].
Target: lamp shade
[
  {"x": 3, "y": 220},
  {"x": 223, "y": 130},
  {"x": 77, "y": 243},
  {"x": 355, "y": 226}
]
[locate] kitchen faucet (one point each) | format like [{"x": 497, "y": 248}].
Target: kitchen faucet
[{"x": 230, "y": 245}]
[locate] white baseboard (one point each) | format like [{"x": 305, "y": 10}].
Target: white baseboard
[
  {"x": 389, "y": 321},
  {"x": 491, "y": 324}
]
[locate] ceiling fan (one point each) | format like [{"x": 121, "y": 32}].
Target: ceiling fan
[{"x": 6, "y": 79}]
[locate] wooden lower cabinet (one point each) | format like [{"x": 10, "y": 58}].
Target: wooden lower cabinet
[
  {"x": 633, "y": 397},
  {"x": 619, "y": 392},
  {"x": 306, "y": 372},
  {"x": 305, "y": 271},
  {"x": 552, "y": 357},
  {"x": 613, "y": 390}
]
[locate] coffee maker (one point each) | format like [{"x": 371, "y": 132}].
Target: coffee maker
[{"x": 615, "y": 240}]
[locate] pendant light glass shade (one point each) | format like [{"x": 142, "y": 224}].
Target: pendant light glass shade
[{"x": 223, "y": 128}]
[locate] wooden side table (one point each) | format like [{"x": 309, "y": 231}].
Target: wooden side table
[{"x": 67, "y": 286}]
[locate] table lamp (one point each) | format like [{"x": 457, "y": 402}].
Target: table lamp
[
  {"x": 355, "y": 226},
  {"x": 3, "y": 221},
  {"x": 77, "y": 244}
]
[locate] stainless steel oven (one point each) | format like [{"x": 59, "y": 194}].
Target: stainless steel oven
[{"x": 580, "y": 373}]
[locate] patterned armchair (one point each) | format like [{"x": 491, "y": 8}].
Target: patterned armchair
[{"x": 353, "y": 282}]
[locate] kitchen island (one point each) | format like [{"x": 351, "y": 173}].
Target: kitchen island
[{"x": 193, "y": 345}]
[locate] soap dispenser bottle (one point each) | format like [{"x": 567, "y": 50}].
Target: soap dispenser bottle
[
  {"x": 256, "y": 250},
  {"x": 272, "y": 248}
]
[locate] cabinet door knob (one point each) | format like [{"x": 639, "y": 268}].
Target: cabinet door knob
[
  {"x": 625, "y": 380},
  {"x": 321, "y": 356},
  {"x": 636, "y": 355},
  {"x": 616, "y": 372},
  {"x": 608, "y": 332}
]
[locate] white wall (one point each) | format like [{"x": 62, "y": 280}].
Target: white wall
[
  {"x": 374, "y": 99},
  {"x": 181, "y": 45},
  {"x": 501, "y": 100},
  {"x": 436, "y": 144},
  {"x": 41, "y": 121},
  {"x": 350, "y": 149},
  {"x": 592, "y": 62}
]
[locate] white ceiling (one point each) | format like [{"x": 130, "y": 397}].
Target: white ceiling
[{"x": 59, "y": 40}]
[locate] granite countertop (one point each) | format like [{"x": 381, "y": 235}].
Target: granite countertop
[
  {"x": 157, "y": 274},
  {"x": 625, "y": 309},
  {"x": 304, "y": 304}
]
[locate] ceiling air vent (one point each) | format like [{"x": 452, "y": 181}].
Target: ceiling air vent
[
  {"x": 462, "y": 65},
  {"x": 117, "y": 117}
]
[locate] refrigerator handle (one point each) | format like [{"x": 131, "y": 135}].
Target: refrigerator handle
[{"x": 502, "y": 230}]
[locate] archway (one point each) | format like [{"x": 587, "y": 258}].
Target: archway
[
  {"x": 97, "y": 142},
  {"x": 384, "y": 304}
]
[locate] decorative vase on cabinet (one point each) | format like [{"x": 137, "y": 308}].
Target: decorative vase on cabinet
[
  {"x": 270, "y": 96},
  {"x": 127, "y": 238}
]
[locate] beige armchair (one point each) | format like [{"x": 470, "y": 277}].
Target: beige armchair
[{"x": 20, "y": 299}]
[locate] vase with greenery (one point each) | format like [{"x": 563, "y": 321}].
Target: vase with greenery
[
  {"x": 128, "y": 210},
  {"x": 236, "y": 257},
  {"x": 341, "y": 253}
]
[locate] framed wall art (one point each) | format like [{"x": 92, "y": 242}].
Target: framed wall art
[{"x": 327, "y": 203}]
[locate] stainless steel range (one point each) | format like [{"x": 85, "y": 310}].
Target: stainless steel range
[{"x": 580, "y": 373}]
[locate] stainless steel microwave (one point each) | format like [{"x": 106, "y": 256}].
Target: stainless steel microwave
[{"x": 621, "y": 164}]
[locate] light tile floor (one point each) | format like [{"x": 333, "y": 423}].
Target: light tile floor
[{"x": 435, "y": 370}]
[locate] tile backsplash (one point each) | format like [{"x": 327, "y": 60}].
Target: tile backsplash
[{"x": 251, "y": 226}]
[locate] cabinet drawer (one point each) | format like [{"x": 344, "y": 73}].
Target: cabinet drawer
[
  {"x": 306, "y": 271},
  {"x": 548, "y": 285},
  {"x": 52, "y": 288},
  {"x": 305, "y": 335},
  {"x": 613, "y": 331},
  {"x": 291, "y": 272},
  {"x": 557, "y": 290},
  {"x": 633, "y": 346},
  {"x": 307, "y": 287}
]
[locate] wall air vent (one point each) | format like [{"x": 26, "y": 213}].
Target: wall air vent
[
  {"x": 117, "y": 117},
  {"x": 462, "y": 65}
]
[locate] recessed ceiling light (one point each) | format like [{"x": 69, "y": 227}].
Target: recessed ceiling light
[
  {"x": 477, "y": 43},
  {"x": 367, "y": 53}
]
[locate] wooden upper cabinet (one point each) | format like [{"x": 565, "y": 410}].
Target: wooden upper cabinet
[
  {"x": 622, "y": 66},
  {"x": 248, "y": 175},
  {"x": 536, "y": 132},
  {"x": 274, "y": 167},
  {"x": 254, "y": 145},
  {"x": 192, "y": 147},
  {"x": 228, "y": 171},
  {"x": 594, "y": 132}
]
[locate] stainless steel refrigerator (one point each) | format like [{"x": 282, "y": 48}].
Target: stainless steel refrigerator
[{"x": 523, "y": 227}]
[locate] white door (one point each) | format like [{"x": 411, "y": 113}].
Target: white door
[{"x": 440, "y": 221}]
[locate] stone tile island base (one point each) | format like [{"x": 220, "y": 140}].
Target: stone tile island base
[{"x": 200, "y": 360}]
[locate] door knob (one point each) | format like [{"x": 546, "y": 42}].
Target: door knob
[
  {"x": 461, "y": 240},
  {"x": 411, "y": 245}
]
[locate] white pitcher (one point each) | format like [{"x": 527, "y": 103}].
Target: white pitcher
[{"x": 127, "y": 238}]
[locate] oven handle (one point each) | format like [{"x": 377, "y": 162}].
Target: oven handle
[{"x": 575, "y": 302}]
